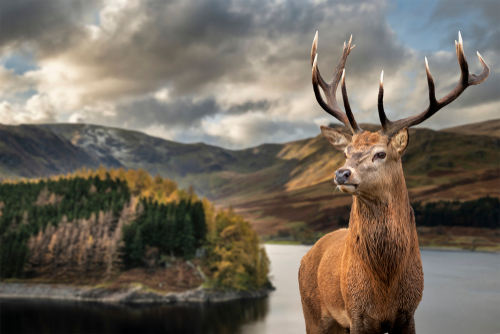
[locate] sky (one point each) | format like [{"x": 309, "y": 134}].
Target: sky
[{"x": 237, "y": 73}]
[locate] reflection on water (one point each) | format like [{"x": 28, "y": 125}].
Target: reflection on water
[
  {"x": 28, "y": 316},
  {"x": 461, "y": 295},
  {"x": 285, "y": 308}
]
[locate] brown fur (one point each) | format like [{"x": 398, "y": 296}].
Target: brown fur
[
  {"x": 366, "y": 138},
  {"x": 368, "y": 278}
]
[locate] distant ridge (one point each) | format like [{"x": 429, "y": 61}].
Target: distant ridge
[
  {"x": 270, "y": 184},
  {"x": 486, "y": 128},
  {"x": 35, "y": 151}
]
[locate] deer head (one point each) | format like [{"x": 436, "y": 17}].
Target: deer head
[{"x": 373, "y": 159}]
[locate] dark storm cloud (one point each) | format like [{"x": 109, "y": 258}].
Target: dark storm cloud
[
  {"x": 297, "y": 21},
  {"x": 193, "y": 44},
  {"x": 183, "y": 112},
  {"x": 260, "y": 105},
  {"x": 51, "y": 24},
  {"x": 189, "y": 43}
]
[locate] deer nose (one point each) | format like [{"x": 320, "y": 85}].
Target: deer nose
[{"x": 342, "y": 176}]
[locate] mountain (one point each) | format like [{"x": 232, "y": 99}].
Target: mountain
[
  {"x": 272, "y": 184},
  {"x": 49, "y": 149},
  {"x": 204, "y": 166},
  {"x": 35, "y": 151},
  {"x": 486, "y": 128}
]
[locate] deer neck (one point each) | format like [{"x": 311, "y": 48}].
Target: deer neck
[{"x": 382, "y": 229}]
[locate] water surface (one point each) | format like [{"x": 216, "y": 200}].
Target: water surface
[{"x": 461, "y": 295}]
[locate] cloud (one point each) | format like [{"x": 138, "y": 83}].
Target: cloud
[
  {"x": 260, "y": 105},
  {"x": 53, "y": 25},
  {"x": 37, "y": 109},
  {"x": 10, "y": 83},
  {"x": 235, "y": 131},
  {"x": 228, "y": 72},
  {"x": 182, "y": 112}
]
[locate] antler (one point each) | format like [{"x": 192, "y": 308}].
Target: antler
[
  {"x": 330, "y": 89},
  {"x": 390, "y": 128}
]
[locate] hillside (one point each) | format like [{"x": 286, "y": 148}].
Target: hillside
[
  {"x": 271, "y": 184},
  {"x": 486, "y": 128},
  {"x": 35, "y": 151}
]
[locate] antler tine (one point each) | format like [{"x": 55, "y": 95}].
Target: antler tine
[
  {"x": 330, "y": 90},
  {"x": 381, "y": 113},
  {"x": 465, "y": 81},
  {"x": 314, "y": 48},
  {"x": 430, "y": 83},
  {"x": 333, "y": 110},
  {"x": 326, "y": 87},
  {"x": 347, "y": 107}
]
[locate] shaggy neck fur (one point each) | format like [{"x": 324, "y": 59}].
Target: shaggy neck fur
[{"x": 382, "y": 229}]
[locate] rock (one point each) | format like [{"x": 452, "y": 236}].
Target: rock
[{"x": 136, "y": 295}]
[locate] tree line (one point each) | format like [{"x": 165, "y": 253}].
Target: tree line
[
  {"x": 94, "y": 223},
  {"x": 175, "y": 229},
  {"x": 483, "y": 212},
  {"x": 30, "y": 207}
]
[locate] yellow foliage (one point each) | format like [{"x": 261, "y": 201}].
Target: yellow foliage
[
  {"x": 209, "y": 217},
  {"x": 236, "y": 257}
]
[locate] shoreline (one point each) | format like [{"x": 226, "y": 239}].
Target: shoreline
[
  {"x": 431, "y": 248},
  {"x": 459, "y": 249},
  {"x": 135, "y": 295}
]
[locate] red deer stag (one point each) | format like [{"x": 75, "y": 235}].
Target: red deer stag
[{"x": 368, "y": 278}]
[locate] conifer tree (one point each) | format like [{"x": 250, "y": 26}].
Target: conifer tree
[
  {"x": 187, "y": 237},
  {"x": 137, "y": 248}
]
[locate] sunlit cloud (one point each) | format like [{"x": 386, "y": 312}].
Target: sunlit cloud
[{"x": 37, "y": 109}]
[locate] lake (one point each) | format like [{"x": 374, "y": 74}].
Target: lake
[{"x": 461, "y": 295}]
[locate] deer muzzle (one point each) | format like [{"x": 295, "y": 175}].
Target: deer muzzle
[{"x": 342, "y": 176}]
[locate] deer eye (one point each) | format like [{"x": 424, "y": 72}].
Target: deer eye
[
  {"x": 345, "y": 155},
  {"x": 380, "y": 155}
]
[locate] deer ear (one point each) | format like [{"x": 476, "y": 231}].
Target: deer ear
[
  {"x": 400, "y": 141},
  {"x": 338, "y": 139}
]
